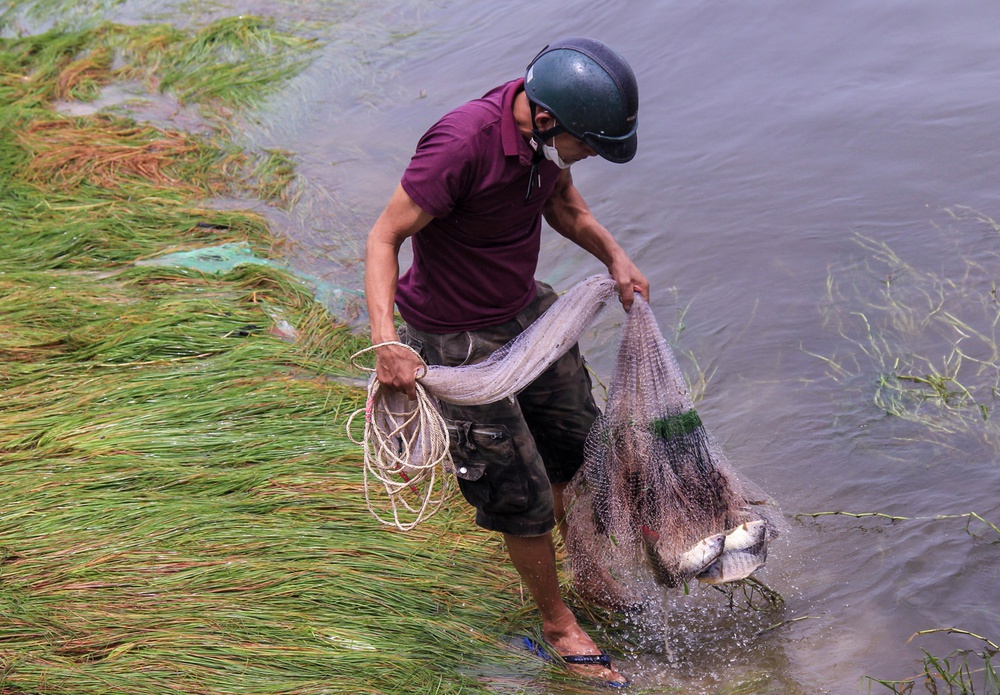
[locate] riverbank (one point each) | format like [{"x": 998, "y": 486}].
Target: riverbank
[{"x": 181, "y": 508}]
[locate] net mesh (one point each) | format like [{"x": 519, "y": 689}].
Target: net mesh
[
  {"x": 518, "y": 363},
  {"x": 656, "y": 498}
]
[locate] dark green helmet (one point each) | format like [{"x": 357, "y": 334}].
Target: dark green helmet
[{"x": 591, "y": 92}]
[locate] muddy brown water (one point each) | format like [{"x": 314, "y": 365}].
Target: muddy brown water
[{"x": 772, "y": 134}]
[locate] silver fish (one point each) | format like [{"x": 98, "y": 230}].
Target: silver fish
[
  {"x": 747, "y": 535},
  {"x": 744, "y": 552},
  {"x": 672, "y": 572}
]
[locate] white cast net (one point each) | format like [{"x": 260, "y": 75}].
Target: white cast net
[
  {"x": 518, "y": 363},
  {"x": 653, "y": 485}
]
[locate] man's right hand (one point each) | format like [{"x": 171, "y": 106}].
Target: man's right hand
[{"x": 397, "y": 369}]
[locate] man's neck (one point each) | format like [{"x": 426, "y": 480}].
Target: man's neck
[{"x": 522, "y": 114}]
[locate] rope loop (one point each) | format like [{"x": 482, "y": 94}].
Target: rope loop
[{"x": 406, "y": 449}]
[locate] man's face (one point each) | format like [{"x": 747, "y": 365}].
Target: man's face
[{"x": 572, "y": 150}]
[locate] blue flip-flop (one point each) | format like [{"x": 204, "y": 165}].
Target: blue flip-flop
[{"x": 601, "y": 659}]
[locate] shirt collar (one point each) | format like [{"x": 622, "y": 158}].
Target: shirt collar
[{"x": 514, "y": 144}]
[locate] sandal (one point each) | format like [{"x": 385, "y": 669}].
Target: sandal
[{"x": 601, "y": 659}]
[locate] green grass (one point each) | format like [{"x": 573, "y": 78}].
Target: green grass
[
  {"x": 180, "y": 508},
  {"x": 226, "y": 68}
]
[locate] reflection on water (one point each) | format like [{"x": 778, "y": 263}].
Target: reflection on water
[{"x": 773, "y": 136}]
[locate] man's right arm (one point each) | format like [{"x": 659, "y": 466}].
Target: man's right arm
[{"x": 396, "y": 368}]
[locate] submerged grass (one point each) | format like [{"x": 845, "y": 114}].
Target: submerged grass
[
  {"x": 959, "y": 672},
  {"x": 180, "y": 510},
  {"x": 973, "y": 521},
  {"x": 963, "y": 672},
  {"x": 932, "y": 339}
]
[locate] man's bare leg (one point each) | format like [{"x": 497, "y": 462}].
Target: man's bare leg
[
  {"x": 592, "y": 581},
  {"x": 559, "y": 503},
  {"x": 535, "y": 560}
]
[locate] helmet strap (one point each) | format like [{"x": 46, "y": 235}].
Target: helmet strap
[
  {"x": 534, "y": 178},
  {"x": 538, "y": 139},
  {"x": 540, "y": 136}
]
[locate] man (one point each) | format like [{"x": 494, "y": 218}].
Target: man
[{"x": 472, "y": 199}]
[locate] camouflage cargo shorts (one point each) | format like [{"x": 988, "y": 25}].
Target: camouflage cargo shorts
[{"x": 508, "y": 454}]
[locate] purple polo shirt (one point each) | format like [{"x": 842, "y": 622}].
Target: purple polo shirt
[{"x": 474, "y": 263}]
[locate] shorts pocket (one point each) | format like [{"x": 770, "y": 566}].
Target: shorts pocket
[
  {"x": 491, "y": 473},
  {"x": 407, "y": 338}
]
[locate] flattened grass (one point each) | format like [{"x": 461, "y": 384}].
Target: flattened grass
[
  {"x": 180, "y": 509},
  {"x": 108, "y": 152},
  {"x": 234, "y": 62}
]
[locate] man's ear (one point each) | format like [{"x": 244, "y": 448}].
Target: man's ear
[{"x": 544, "y": 120}]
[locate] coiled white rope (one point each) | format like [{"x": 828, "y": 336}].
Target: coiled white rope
[{"x": 405, "y": 449}]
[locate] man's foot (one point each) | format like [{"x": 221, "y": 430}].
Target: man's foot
[
  {"x": 580, "y": 654},
  {"x": 602, "y": 659}
]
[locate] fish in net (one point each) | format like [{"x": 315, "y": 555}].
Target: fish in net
[{"x": 656, "y": 500}]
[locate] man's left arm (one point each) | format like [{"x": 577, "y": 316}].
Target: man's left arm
[{"x": 567, "y": 213}]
